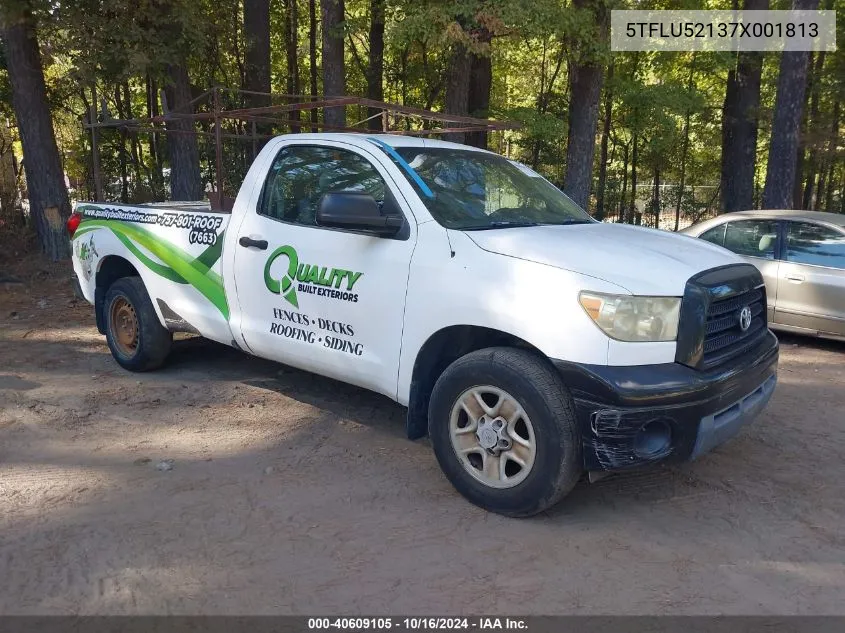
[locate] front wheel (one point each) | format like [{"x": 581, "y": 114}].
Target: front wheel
[
  {"x": 504, "y": 431},
  {"x": 135, "y": 336}
]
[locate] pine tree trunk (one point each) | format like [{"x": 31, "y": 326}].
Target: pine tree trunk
[
  {"x": 820, "y": 190},
  {"x": 842, "y": 193},
  {"x": 655, "y": 198},
  {"x": 375, "y": 67},
  {"x": 45, "y": 178},
  {"x": 256, "y": 69},
  {"x": 685, "y": 147},
  {"x": 312, "y": 57},
  {"x": 783, "y": 145},
  {"x": 620, "y": 215},
  {"x": 291, "y": 41},
  {"x": 134, "y": 146},
  {"x": 257, "y": 53},
  {"x": 124, "y": 159},
  {"x": 155, "y": 146},
  {"x": 480, "y": 84},
  {"x": 800, "y": 155},
  {"x": 831, "y": 158},
  {"x": 457, "y": 88},
  {"x": 334, "y": 70},
  {"x": 632, "y": 211},
  {"x": 585, "y": 83},
  {"x": 828, "y": 200},
  {"x": 9, "y": 213},
  {"x": 605, "y": 135},
  {"x": 185, "y": 179},
  {"x": 682, "y": 183},
  {"x": 805, "y": 200},
  {"x": 585, "y": 91},
  {"x": 740, "y": 117}
]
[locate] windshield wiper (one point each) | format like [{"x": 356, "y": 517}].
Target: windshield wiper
[{"x": 501, "y": 224}]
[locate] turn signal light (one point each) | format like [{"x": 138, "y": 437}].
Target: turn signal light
[{"x": 73, "y": 223}]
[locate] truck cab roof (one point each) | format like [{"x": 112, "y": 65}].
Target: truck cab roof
[{"x": 394, "y": 140}]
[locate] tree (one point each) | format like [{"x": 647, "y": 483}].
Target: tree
[
  {"x": 685, "y": 146},
  {"x": 804, "y": 200},
  {"x": 291, "y": 54},
  {"x": 48, "y": 197},
  {"x": 586, "y": 75},
  {"x": 375, "y": 66},
  {"x": 789, "y": 106},
  {"x": 740, "y": 116},
  {"x": 605, "y": 135},
  {"x": 312, "y": 57},
  {"x": 469, "y": 75},
  {"x": 257, "y": 56},
  {"x": 334, "y": 70},
  {"x": 539, "y": 63},
  {"x": 185, "y": 180},
  {"x": 457, "y": 87},
  {"x": 480, "y": 85},
  {"x": 9, "y": 211}
]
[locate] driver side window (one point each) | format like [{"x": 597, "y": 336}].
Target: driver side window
[{"x": 301, "y": 175}]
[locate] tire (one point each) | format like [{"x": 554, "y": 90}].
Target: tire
[
  {"x": 555, "y": 463},
  {"x": 127, "y": 310}
]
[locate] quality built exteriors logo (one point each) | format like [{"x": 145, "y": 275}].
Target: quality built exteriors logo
[{"x": 309, "y": 278}]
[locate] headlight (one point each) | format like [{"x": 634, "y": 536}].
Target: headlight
[{"x": 632, "y": 318}]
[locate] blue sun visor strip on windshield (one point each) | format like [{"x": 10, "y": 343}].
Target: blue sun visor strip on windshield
[{"x": 404, "y": 165}]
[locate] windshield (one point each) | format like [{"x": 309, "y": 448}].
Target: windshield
[{"x": 470, "y": 190}]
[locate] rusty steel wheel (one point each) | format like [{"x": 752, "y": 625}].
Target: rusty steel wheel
[
  {"x": 137, "y": 339},
  {"x": 124, "y": 325}
]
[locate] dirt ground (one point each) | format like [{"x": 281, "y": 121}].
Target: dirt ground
[{"x": 290, "y": 493}]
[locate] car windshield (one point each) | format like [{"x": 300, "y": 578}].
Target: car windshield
[{"x": 470, "y": 190}]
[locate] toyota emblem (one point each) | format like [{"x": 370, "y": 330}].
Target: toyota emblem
[{"x": 745, "y": 318}]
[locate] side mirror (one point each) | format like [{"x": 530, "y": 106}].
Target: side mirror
[{"x": 356, "y": 211}]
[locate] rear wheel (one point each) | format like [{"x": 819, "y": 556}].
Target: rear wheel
[
  {"x": 135, "y": 336},
  {"x": 504, "y": 431}
]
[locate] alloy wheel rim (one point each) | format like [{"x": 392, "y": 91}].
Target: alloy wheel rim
[{"x": 492, "y": 436}]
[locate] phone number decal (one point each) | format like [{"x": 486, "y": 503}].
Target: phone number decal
[{"x": 202, "y": 228}]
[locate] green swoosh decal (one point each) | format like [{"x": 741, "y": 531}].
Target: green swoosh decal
[
  {"x": 210, "y": 255},
  {"x": 164, "y": 271},
  {"x": 179, "y": 265},
  {"x": 159, "y": 269}
]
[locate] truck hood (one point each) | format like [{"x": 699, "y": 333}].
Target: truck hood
[{"x": 643, "y": 261}]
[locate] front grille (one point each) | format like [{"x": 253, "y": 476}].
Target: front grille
[
  {"x": 724, "y": 338},
  {"x": 709, "y": 330}
]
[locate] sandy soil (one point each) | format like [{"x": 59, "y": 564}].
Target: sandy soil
[{"x": 290, "y": 493}]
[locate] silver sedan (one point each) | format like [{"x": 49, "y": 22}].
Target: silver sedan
[{"x": 801, "y": 255}]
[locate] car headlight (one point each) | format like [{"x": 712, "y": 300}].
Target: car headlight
[{"x": 631, "y": 318}]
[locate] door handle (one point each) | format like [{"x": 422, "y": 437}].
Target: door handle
[
  {"x": 795, "y": 277},
  {"x": 248, "y": 241}
]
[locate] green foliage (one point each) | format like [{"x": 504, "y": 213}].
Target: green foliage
[{"x": 121, "y": 46}]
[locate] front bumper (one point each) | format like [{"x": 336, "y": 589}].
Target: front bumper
[{"x": 632, "y": 416}]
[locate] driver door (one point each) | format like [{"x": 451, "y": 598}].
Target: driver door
[{"x": 327, "y": 300}]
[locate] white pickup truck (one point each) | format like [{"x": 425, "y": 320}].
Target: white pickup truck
[{"x": 529, "y": 342}]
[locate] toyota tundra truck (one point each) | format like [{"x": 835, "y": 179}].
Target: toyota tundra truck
[{"x": 532, "y": 344}]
